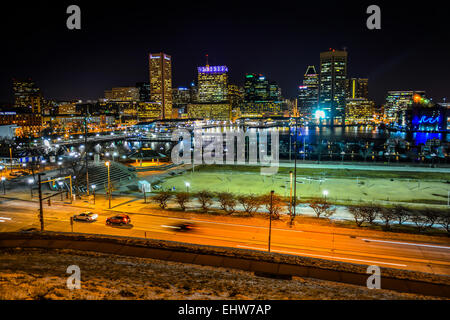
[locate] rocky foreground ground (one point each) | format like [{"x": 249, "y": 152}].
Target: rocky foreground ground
[{"x": 41, "y": 274}]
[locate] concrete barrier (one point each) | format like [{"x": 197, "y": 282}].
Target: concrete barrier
[{"x": 275, "y": 264}]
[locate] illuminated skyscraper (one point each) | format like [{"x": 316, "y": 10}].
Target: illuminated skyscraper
[
  {"x": 332, "y": 86},
  {"x": 309, "y": 92},
  {"x": 144, "y": 91},
  {"x": 259, "y": 88},
  {"x": 122, "y": 94},
  {"x": 27, "y": 95},
  {"x": 161, "y": 82},
  {"x": 212, "y": 95},
  {"x": 397, "y": 103},
  {"x": 357, "y": 88},
  {"x": 212, "y": 83}
]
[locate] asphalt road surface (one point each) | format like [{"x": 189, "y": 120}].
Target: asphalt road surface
[{"x": 17, "y": 215}]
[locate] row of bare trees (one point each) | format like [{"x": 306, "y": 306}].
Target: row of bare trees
[
  {"x": 362, "y": 214},
  {"x": 422, "y": 219},
  {"x": 250, "y": 204}
]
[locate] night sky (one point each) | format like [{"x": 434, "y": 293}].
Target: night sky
[{"x": 278, "y": 39}]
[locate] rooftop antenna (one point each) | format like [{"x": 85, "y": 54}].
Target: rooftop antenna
[{"x": 207, "y": 64}]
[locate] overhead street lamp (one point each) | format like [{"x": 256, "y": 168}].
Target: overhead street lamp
[
  {"x": 325, "y": 193},
  {"x": 108, "y": 164},
  {"x": 3, "y": 182},
  {"x": 93, "y": 191},
  {"x": 30, "y": 182},
  {"x": 187, "y": 186},
  {"x": 60, "y": 167}
]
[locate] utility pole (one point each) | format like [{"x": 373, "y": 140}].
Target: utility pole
[
  {"x": 290, "y": 194},
  {"x": 86, "y": 150},
  {"x": 295, "y": 172},
  {"x": 41, "y": 213},
  {"x": 270, "y": 217},
  {"x": 10, "y": 157}
]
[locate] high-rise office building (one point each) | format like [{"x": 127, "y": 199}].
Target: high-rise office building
[
  {"x": 308, "y": 96},
  {"x": 332, "y": 84},
  {"x": 122, "y": 94},
  {"x": 235, "y": 95},
  {"x": 357, "y": 88},
  {"x": 397, "y": 103},
  {"x": 212, "y": 83},
  {"x": 161, "y": 82},
  {"x": 181, "y": 96},
  {"x": 258, "y": 88},
  {"x": 144, "y": 91},
  {"x": 27, "y": 95},
  {"x": 212, "y": 94},
  {"x": 359, "y": 110},
  {"x": 262, "y": 97}
]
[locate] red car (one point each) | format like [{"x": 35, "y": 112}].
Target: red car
[{"x": 120, "y": 219}]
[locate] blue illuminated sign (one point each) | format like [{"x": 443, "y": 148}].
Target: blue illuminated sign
[
  {"x": 429, "y": 120},
  {"x": 213, "y": 69}
]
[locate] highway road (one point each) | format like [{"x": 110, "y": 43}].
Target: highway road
[{"x": 17, "y": 215}]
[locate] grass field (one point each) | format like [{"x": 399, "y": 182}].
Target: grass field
[{"x": 343, "y": 186}]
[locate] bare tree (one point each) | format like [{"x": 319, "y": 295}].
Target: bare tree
[
  {"x": 273, "y": 204},
  {"x": 227, "y": 202},
  {"x": 431, "y": 216},
  {"x": 162, "y": 198},
  {"x": 182, "y": 198},
  {"x": 205, "y": 199},
  {"x": 420, "y": 221},
  {"x": 371, "y": 212},
  {"x": 357, "y": 213},
  {"x": 321, "y": 207},
  {"x": 387, "y": 215},
  {"x": 401, "y": 214},
  {"x": 251, "y": 203},
  {"x": 444, "y": 221}
]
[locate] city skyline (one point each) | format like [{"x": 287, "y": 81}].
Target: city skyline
[{"x": 237, "y": 43}]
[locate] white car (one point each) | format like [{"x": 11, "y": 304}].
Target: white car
[{"x": 86, "y": 216}]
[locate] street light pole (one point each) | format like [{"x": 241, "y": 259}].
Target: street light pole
[
  {"x": 10, "y": 157},
  {"x": 290, "y": 194},
  {"x": 86, "y": 151},
  {"x": 41, "y": 212},
  {"x": 3, "y": 182},
  {"x": 30, "y": 182},
  {"x": 270, "y": 217},
  {"x": 295, "y": 172},
  {"x": 93, "y": 191},
  {"x": 108, "y": 164}
]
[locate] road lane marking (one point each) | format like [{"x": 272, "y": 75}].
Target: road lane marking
[
  {"x": 408, "y": 244},
  {"x": 328, "y": 257}
]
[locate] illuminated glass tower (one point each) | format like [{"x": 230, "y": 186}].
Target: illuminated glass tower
[
  {"x": 161, "y": 82},
  {"x": 309, "y": 92},
  {"x": 332, "y": 85}
]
